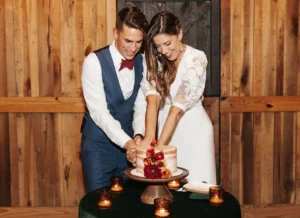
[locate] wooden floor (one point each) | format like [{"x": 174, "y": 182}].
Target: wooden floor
[{"x": 248, "y": 211}]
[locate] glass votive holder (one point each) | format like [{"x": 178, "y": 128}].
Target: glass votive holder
[
  {"x": 175, "y": 184},
  {"x": 161, "y": 207},
  {"x": 216, "y": 195},
  {"x": 116, "y": 184},
  {"x": 105, "y": 198}
]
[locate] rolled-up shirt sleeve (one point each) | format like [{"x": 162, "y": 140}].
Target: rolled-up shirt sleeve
[
  {"x": 193, "y": 83},
  {"x": 95, "y": 99}
]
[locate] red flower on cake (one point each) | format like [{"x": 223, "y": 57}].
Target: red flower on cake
[
  {"x": 152, "y": 172},
  {"x": 166, "y": 173},
  {"x": 146, "y": 162}
]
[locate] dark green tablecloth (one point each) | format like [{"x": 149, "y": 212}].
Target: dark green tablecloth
[{"x": 128, "y": 204}]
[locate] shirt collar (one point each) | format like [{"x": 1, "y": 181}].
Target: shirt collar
[{"x": 115, "y": 54}]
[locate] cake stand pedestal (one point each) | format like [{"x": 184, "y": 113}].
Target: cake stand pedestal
[{"x": 156, "y": 188}]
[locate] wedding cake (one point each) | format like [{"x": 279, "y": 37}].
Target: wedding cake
[{"x": 156, "y": 161}]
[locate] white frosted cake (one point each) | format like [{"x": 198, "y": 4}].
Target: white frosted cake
[{"x": 156, "y": 161}]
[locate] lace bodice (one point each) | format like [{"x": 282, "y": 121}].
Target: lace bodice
[{"x": 188, "y": 86}]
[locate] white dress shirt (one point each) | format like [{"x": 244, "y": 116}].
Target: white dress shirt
[{"x": 95, "y": 99}]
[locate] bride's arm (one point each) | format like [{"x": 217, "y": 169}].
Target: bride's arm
[
  {"x": 151, "y": 118},
  {"x": 175, "y": 113}
]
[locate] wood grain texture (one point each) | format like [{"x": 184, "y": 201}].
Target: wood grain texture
[
  {"x": 4, "y": 134},
  {"x": 237, "y": 10},
  {"x": 259, "y": 101},
  {"x": 42, "y": 48},
  {"x": 297, "y": 182},
  {"x": 263, "y": 122},
  {"x": 234, "y": 104},
  {"x": 54, "y": 104},
  {"x": 111, "y": 13},
  {"x": 225, "y": 160}
]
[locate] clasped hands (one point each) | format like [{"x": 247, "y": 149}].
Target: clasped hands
[{"x": 130, "y": 147}]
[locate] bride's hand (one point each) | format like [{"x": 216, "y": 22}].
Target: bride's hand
[{"x": 146, "y": 142}]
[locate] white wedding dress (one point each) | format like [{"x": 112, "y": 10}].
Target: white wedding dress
[{"x": 193, "y": 136}]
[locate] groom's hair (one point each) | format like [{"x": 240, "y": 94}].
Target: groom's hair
[{"x": 132, "y": 17}]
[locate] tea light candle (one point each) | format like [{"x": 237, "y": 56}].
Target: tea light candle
[
  {"x": 162, "y": 213},
  {"x": 116, "y": 188},
  {"x": 116, "y": 184},
  {"x": 104, "y": 203},
  {"x": 216, "y": 199},
  {"x": 105, "y": 199},
  {"x": 161, "y": 207},
  {"x": 216, "y": 195},
  {"x": 175, "y": 184}
]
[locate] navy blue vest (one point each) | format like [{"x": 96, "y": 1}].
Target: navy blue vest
[{"x": 120, "y": 109}]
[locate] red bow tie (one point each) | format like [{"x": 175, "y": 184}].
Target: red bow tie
[{"x": 127, "y": 63}]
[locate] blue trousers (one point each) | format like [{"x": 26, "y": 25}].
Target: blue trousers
[{"x": 100, "y": 162}]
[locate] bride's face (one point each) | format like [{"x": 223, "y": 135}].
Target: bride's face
[{"x": 168, "y": 45}]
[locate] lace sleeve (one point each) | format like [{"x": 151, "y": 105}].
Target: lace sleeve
[
  {"x": 193, "y": 83},
  {"x": 147, "y": 87}
]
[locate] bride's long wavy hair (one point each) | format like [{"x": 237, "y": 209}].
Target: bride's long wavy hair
[{"x": 159, "y": 69}]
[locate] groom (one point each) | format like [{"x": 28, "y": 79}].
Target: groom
[{"x": 111, "y": 80}]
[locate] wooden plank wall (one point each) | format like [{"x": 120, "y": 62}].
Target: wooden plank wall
[
  {"x": 260, "y": 104},
  {"x": 42, "y": 47}
]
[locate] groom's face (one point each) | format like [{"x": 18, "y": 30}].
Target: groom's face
[{"x": 128, "y": 41}]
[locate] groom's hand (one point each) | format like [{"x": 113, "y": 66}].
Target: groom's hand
[
  {"x": 130, "y": 151},
  {"x": 138, "y": 138}
]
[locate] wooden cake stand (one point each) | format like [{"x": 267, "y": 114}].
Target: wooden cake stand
[{"x": 156, "y": 188}]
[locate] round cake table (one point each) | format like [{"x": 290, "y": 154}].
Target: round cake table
[{"x": 128, "y": 204}]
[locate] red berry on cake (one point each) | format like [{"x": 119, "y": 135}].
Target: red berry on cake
[
  {"x": 159, "y": 156},
  {"x": 150, "y": 152},
  {"x": 153, "y": 143}
]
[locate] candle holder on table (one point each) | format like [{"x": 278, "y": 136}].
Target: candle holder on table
[
  {"x": 156, "y": 187},
  {"x": 105, "y": 198},
  {"x": 216, "y": 195},
  {"x": 174, "y": 184},
  {"x": 161, "y": 207},
  {"x": 116, "y": 184}
]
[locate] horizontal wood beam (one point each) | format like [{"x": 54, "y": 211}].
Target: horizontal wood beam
[
  {"x": 52, "y": 104},
  {"x": 238, "y": 104},
  {"x": 45, "y": 212},
  {"x": 42, "y": 104}
]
